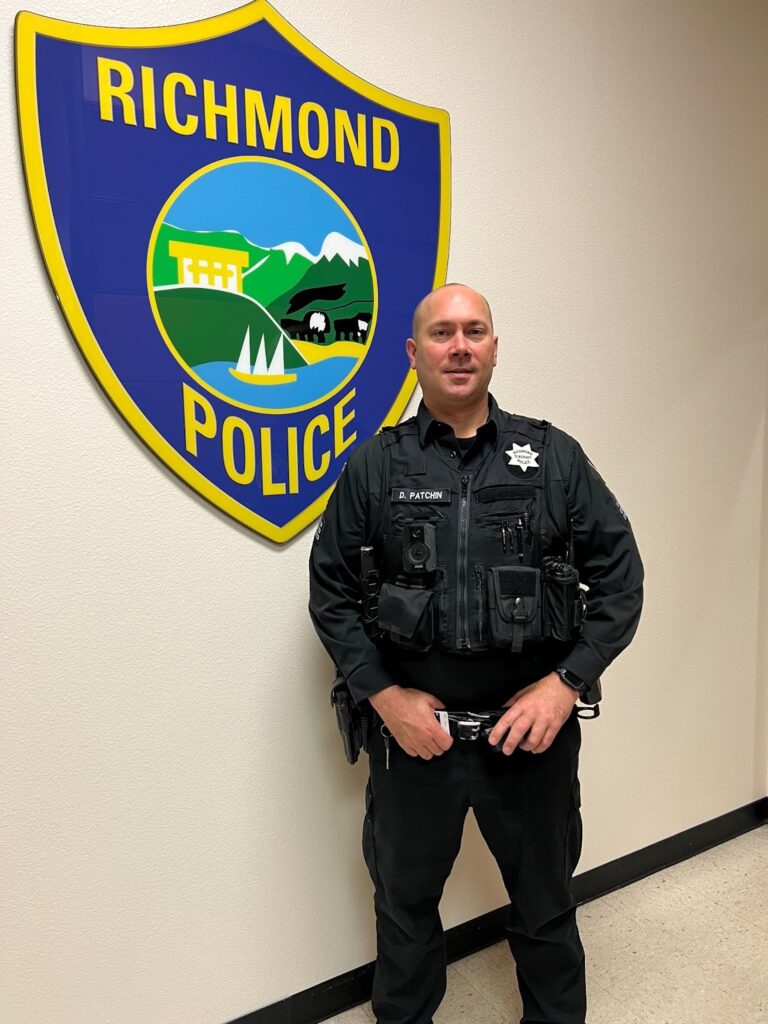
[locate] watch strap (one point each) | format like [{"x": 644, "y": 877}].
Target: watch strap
[{"x": 573, "y": 681}]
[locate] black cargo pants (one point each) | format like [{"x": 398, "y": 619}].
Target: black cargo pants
[{"x": 527, "y": 808}]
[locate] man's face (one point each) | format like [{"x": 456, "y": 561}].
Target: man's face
[{"x": 454, "y": 351}]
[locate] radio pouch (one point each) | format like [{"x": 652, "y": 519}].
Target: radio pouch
[
  {"x": 405, "y": 614},
  {"x": 514, "y": 596},
  {"x": 564, "y": 602}
]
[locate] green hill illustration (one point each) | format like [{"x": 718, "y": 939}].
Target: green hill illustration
[{"x": 208, "y": 325}]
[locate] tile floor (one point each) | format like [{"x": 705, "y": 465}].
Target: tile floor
[{"x": 689, "y": 945}]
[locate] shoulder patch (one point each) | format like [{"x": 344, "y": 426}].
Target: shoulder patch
[
  {"x": 319, "y": 530},
  {"x": 619, "y": 509},
  {"x": 594, "y": 470}
]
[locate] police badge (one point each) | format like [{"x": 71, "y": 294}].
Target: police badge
[{"x": 237, "y": 229}]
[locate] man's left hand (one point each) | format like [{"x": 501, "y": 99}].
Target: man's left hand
[{"x": 536, "y": 715}]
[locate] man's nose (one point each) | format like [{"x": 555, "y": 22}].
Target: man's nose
[{"x": 460, "y": 343}]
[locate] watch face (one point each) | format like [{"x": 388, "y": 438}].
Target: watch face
[{"x": 573, "y": 680}]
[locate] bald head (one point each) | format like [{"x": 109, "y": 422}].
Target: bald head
[{"x": 422, "y": 312}]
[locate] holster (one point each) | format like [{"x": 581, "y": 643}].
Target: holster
[{"x": 354, "y": 722}]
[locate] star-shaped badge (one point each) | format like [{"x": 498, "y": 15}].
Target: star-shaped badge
[{"x": 522, "y": 456}]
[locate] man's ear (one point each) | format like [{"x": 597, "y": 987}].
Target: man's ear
[{"x": 410, "y": 348}]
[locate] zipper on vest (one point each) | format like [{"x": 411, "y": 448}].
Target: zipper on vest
[
  {"x": 462, "y": 631},
  {"x": 519, "y": 529},
  {"x": 479, "y": 594}
]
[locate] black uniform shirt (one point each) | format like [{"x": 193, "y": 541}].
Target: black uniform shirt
[{"x": 605, "y": 554}]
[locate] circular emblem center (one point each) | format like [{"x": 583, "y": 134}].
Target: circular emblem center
[{"x": 262, "y": 284}]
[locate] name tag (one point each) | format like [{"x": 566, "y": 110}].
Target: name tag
[{"x": 424, "y": 494}]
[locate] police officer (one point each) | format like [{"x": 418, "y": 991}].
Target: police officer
[{"x": 480, "y": 522}]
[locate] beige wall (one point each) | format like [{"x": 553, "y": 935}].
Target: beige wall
[{"x": 181, "y": 833}]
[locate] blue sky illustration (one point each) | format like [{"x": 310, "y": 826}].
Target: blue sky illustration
[{"x": 267, "y": 203}]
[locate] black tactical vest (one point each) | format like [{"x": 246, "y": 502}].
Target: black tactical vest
[{"x": 465, "y": 556}]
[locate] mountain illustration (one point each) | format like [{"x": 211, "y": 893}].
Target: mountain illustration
[{"x": 334, "y": 244}]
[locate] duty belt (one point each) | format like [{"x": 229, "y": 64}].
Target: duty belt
[{"x": 469, "y": 725}]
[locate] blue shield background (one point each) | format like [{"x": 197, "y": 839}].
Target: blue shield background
[{"x": 107, "y": 182}]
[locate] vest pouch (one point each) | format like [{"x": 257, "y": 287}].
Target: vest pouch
[
  {"x": 406, "y": 615},
  {"x": 514, "y": 601},
  {"x": 564, "y": 603}
]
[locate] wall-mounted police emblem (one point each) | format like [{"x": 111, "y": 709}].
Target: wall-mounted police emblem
[
  {"x": 249, "y": 227},
  {"x": 523, "y": 457}
]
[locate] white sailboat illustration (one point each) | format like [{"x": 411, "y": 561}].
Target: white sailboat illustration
[{"x": 262, "y": 372}]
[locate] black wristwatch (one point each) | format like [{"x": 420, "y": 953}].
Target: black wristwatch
[{"x": 573, "y": 681}]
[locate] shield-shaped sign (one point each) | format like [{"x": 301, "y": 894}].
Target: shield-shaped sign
[{"x": 237, "y": 229}]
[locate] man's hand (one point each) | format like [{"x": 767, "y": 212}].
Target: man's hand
[
  {"x": 540, "y": 710},
  {"x": 410, "y": 717}
]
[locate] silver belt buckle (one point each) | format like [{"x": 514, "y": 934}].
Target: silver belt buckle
[{"x": 468, "y": 728}]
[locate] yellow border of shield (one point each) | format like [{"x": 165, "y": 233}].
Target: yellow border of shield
[{"x": 28, "y": 26}]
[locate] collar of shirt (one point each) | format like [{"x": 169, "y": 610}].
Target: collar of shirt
[{"x": 431, "y": 429}]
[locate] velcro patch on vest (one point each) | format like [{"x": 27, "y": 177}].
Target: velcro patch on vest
[
  {"x": 424, "y": 495},
  {"x": 505, "y": 492},
  {"x": 514, "y": 582}
]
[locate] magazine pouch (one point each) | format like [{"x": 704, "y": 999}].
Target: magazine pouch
[{"x": 514, "y": 602}]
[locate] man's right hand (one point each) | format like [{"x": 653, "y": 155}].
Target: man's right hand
[{"x": 410, "y": 717}]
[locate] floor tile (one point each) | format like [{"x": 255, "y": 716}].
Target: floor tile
[
  {"x": 671, "y": 909},
  {"x": 726, "y": 871},
  {"x": 610, "y": 930},
  {"x": 751, "y": 904},
  {"x": 674, "y": 997},
  {"x": 466, "y": 1004},
  {"x": 492, "y": 972},
  {"x": 357, "y": 1015},
  {"x": 603, "y": 1008}
]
